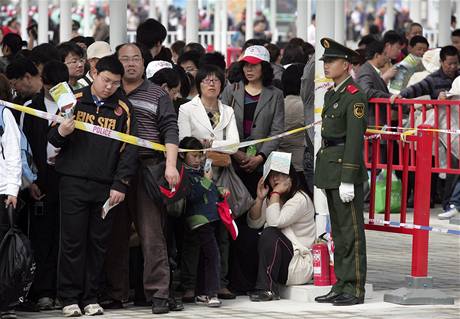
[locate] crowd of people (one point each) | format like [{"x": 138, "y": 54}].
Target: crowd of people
[{"x": 186, "y": 98}]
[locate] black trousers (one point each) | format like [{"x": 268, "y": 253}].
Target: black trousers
[
  {"x": 84, "y": 239},
  {"x": 208, "y": 276},
  {"x": 190, "y": 251},
  {"x": 44, "y": 237},
  {"x": 243, "y": 259},
  {"x": 275, "y": 254}
]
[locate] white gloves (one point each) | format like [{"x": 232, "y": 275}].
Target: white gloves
[{"x": 346, "y": 192}]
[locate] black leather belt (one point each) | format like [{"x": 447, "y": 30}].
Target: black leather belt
[{"x": 334, "y": 142}]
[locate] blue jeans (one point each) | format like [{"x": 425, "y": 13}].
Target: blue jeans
[{"x": 455, "y": 197}]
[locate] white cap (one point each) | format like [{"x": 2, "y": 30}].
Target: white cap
[
  {"x": 256, "y": 54},
  {"x": 98, "y": 49},
  {"x": 431, "y": 60},
  {"x": 155, "y": 66}
]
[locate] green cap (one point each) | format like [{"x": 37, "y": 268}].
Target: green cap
[{"x": 333, "y": 49}]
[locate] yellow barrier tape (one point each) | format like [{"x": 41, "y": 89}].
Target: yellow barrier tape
[
  {"x": 99, "y": 130},
  {"x": 130, "y": 139}
]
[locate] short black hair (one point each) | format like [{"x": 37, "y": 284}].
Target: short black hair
[
  {"x": 55, "y": 72},
  {"x": 307, "y": 48},
  {"x": 43, "y": 53},
  {"x": 81, "y": 39},
  {"x": 418, "y": 39},
  {"x": 185, "y": 80},
  {"x": 234, "y": 73},
  {"x": 366, "y": 40},
  {"x": 18, "y": 68},
  {"x": 267, "y": 73},
  {"x": 111, "y": 64},
  {"x": 69, "y": 47},
  {"x": 392, "y": 37},
  {"x": 166, "y": 76},
  {"x": 291, "y": 79},
  {"x": 194, "y": 46},
  {"x": 209, "y": 69},
  {"x": 455, "y": 33},
  {"x": 214, "y": 58},
  {"x": 13, "y": 41},
  {"x": 448, "y": 50},
  {"x": 190, "y": 143},
  {"x": 150, "y": 32},
  {"x": 193, "y": 56},
  {"x": 293, "y": 54},
  {"x": 163, "y": 55},
  {"x": 274, "y": 51},
  {"x": 178, "y": 47},
  {"x": 373, "y": 48}
]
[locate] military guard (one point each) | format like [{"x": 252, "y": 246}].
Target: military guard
[{"x": 340, "y": 171}]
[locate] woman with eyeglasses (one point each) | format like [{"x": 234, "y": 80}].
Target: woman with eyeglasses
[
  {"x": 73, "y": 57},
  {"x": 213, "y": 123}
]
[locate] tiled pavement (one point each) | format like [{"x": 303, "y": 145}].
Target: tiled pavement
[{"x": 389, "y": 260}]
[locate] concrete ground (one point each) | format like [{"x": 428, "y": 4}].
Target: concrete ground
[{"x": 389, "y": 261}]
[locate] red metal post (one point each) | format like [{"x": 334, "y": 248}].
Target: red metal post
[{"x": 422, "y": 202}]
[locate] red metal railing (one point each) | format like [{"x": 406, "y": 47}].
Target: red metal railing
[{"x": 415, "y": 153}]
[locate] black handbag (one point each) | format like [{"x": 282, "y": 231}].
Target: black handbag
[{"x": 158, "y": 188}]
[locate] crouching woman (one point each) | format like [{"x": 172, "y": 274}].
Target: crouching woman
[{"x": 287, "y": 214}]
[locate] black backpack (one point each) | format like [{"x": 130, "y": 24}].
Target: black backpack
[{"x": 17, "y": 265}]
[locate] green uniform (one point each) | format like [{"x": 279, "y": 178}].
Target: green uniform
[{"x": 340, "y": 160}]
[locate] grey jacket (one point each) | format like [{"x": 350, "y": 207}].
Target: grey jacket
[
  {"x": 374, "y": 87},
  {"x": 268, "y": 116}
]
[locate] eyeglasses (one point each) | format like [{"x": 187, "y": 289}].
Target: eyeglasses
[
  {"x": 190, "y": 69},
  {"x": 208, "y": 81},
  {"x": 134, "y": 59},
  {"x": 108, "y": 82},
  {"x": 75, "y": 61}
]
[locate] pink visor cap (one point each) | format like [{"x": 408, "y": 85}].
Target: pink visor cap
[{"x": 256, "y": 54}]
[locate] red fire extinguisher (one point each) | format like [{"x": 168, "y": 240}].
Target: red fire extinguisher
[{"x": 321, "y": 262}]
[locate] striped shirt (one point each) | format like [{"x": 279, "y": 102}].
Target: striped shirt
[
  {"x": 432, "y": 85},
  {"x": 155, "y": 114}
]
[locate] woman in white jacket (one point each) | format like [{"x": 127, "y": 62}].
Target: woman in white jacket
[
  {"x": 205, "y": 117},
  {"x": 213, "y": 123},
  {"x": 287, "y": 214}
]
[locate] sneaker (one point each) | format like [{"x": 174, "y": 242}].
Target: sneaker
[
  {"x": 94, "y": 309},
  {"x": 45, "y": 303},
  {"x": 71, "y": 311},
  {"x": 214, "y": 302},
  {"x": 448, "y": 214},
  {"x": 208, "y": 301}
]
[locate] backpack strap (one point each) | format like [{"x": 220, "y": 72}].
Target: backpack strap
[{"x": 2, "y": 123}]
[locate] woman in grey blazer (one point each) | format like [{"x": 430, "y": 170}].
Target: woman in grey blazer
[{"x": 259, "y": 113}]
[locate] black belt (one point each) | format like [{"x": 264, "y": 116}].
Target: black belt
[{"x": 334, "y": 142}]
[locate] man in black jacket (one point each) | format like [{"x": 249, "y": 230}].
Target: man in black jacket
[
  {"x": 93, "y": 169},
  {"x": 44, "y": 192}
]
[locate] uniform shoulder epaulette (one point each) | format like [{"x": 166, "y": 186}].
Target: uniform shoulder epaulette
[
  {"x": 352, "y": 89},
  {"x": 78, "y": 95}
]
